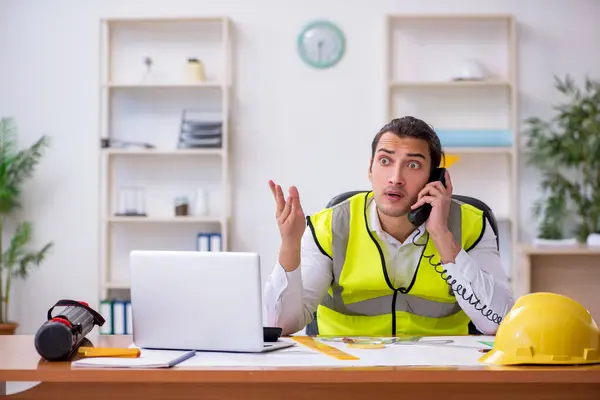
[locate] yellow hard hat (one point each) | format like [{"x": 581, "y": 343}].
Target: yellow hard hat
[{"x": 546, "y": 328}]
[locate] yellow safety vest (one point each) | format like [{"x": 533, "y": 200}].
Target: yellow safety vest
[{"x": 361, "y": 300}]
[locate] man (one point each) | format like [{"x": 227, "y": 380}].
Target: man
[{"x": 368, "y": 271}]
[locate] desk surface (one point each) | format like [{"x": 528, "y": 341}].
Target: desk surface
[{"x": 19, "y": 361}]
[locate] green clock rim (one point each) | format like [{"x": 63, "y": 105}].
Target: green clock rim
[{"x": 338, "y": 32}]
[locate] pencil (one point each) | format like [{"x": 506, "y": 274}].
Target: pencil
[{"x": 109, "y": 352}]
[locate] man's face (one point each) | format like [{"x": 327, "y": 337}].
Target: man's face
[{"x": 399, "y": 170}]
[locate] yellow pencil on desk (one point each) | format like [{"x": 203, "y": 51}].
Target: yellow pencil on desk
[{"x": 109, "y": 352}]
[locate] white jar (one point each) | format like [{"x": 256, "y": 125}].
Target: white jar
[{"x": 194, "y": 71}]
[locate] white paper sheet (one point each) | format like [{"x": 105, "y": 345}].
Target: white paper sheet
[
  {"x": 147, "y": 359},
  {"x": 431, "y": 351}
]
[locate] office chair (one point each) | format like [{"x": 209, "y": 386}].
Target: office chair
[{"x": 312, "y": 329}]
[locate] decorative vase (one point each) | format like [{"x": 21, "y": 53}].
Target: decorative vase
[
  {"x": 8, "y": 328},
  {"x": 593, "y": 239},
  {"x": 201, "y": 203}
]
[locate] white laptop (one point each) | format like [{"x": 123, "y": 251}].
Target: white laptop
[{"x": 196, "y": 300}]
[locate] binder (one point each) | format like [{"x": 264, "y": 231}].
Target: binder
[
  {"x": 118, "y": 317},
  {"x": 203, "y": 242},
  {"x": 106, "y": 310},
  {"x": 215, "y": 242},
  {"x": 209, "y": 242},
  {"x": 119, "y": 321},
  {"x": 128, "y": 318}
]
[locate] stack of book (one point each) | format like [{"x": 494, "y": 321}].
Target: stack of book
[{"x": 200, "y": 129}]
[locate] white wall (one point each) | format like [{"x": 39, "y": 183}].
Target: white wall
[{"x": 292, "y": 124}]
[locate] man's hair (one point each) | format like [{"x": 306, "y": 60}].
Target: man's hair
[{"x": 414, "y": 128}]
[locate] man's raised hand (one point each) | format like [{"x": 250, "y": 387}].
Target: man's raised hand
[{"x": 289, "y": 214}]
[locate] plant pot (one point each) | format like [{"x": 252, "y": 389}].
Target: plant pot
[
  {"x": 593, "y": 239},
  {"x": 8, "y": 328},
  {"x": 555, "y": 242}
]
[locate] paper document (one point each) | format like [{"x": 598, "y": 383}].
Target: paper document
[
  {"x": 147, "y": 359},
  {"x": 447, "y": 351}
]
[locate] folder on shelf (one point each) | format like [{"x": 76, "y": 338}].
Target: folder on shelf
[
  {"x": 106, "y": 310},
  {"x": 209, "y": 242},
  {"x": 119, "y": 322},
  {"x": 203, "y": 242},
  {"x": 118, "y": 316},
  {"x": 215, "y": 242}
]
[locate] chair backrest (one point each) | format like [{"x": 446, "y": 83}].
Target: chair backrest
[{"x": 487, "y": 211}]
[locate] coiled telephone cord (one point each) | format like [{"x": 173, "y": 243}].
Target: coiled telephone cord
[{"x": 459, "y": 288}]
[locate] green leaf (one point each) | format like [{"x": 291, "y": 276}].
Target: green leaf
[
  {"x": 16, "y": 249},
  {"x": 24, "y": 163},
  {"x": 31, "y": 259}
]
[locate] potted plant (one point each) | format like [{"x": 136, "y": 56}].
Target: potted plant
[
  {"x": 16, "y": 166},
  {"x": 566, "y": 149}
]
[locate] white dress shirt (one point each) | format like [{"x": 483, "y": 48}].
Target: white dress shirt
[{"x": 292, "y": 297}]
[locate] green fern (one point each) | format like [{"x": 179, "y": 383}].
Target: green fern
[
  {"x": 567, "y": 151},
  {"x": 16, "y": 166}
]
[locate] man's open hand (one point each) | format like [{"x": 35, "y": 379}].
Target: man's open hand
[{"x": 289, "y": 214}]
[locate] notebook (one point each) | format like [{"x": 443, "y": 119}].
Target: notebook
[{"x": 147, "y": 359}]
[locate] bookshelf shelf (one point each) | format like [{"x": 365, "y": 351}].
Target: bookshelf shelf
[
  {"x": 479, "y": 150},
  {"x": 163, "y": 85},
  {"x": 159, "y": 152},
  {"x": 166, "y": 220},
  {"x": 449, "y": 84}
]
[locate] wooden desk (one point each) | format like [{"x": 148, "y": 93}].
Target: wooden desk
[{"x": 20, "y": 362}]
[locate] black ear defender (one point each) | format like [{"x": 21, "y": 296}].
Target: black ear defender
[{"x": 419, "y": 215}]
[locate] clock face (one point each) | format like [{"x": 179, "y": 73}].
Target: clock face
[{"x": 321, "y": 44}]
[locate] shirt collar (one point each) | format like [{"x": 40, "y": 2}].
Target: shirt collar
[{"x": 375, "y": 226}]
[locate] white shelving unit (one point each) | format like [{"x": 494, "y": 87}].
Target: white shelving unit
[
  {"x": 424, "y": 54},
  {"x": 147, "y": 108}
]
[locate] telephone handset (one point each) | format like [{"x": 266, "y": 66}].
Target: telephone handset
[{"x": 419, "y": 215}]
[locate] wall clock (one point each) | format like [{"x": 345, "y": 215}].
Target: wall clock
[{"x": 321, "y": 44}]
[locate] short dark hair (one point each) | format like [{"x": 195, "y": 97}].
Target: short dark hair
[{"x": 415, "y": 128}]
